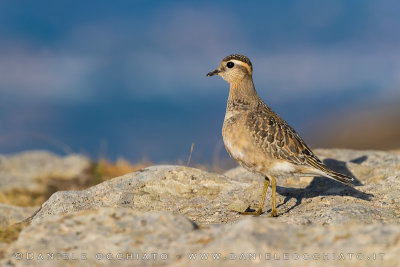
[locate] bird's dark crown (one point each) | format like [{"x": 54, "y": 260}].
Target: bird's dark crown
[{"x": 240, "y": 58}]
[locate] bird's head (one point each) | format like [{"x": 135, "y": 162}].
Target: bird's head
[{"x": 233, "y": 68}]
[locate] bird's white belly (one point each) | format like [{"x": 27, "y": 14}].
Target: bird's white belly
[
  {"x": 281, "y": 167},
  {"x": 265, "y": 166}
]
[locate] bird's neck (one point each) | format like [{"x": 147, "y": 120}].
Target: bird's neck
[{"x": 243, "y": 91}]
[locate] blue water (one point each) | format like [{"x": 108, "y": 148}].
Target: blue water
[
  {"x": 156, "y": 130},
  {"x": 127, "y": 79}
]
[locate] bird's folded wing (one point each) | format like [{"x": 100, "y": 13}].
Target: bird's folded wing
[{"x": 279, "y": 140}]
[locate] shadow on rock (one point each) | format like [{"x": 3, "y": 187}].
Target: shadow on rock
[
  {"x": 341, "y": 167},
  {"x": 324, "y": 186},
  {"x": 359, "y": 160}
]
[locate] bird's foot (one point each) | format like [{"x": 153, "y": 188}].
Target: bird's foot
[
  {"x": 273, "y": 213},
  {"x": 251, "y": 212}
]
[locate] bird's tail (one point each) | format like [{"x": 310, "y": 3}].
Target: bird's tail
[
  {"x": 316, "y": 163},
  {"x": 338, "y": 176}
]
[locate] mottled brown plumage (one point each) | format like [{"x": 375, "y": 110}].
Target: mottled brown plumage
[{"x": 260, "y": 140}]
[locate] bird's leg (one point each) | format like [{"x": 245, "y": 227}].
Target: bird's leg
[
  {"x": 264, "y": 193},
  {"x": 273, "y": 185}
]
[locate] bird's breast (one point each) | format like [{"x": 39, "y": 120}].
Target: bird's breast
[{"x": 240, "y": 145}]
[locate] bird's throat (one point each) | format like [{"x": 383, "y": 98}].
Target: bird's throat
[{"x": 243, "y": 90}]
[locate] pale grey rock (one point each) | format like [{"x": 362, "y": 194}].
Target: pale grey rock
[
  {"x": 320, "y": 200},
  {"x": 212, "y": 198},
  {"x": 130, "y": 238},
  {"x": 117, "y": 232},
  {"x": 179, "y": 210},
  {"x": 263, "y": 241},
  {"x": 13, "y": 214},
  {"x": 31, "y": 170},
  {"x": 202, "y": 196}
]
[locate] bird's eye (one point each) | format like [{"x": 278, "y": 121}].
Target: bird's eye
[{"x": 230, "y": 65}]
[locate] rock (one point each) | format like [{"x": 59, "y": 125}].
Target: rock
[
  {"x": 122, "y": 236},
  {"x": 179, "y": 210},
  {"x": 263, "y": 241},
  {"x": 239, "y": 206},
  {"x": 26, "y": 178},
  {"x": 103, "y": 231},
  {"x": 11, "y": 224},
  {"x": 321, "y": 200},
  {"x": 212, "y": 198},
  {"x": 202, "y": 196},
  {"x": 13, "y": 214}
]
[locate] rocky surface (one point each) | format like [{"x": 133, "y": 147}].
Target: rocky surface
[
  {"x": 25, "y": 178},
  {"x": 202, "y": 196},
  {"x": 109, "y": 236},
  {"x": 175, "y": 211},
  {"x": 324, "y": 201},
  {"x": 13, "y": 214}
]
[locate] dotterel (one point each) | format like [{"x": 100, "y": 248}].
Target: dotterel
[{"x": 258, "y": 139}]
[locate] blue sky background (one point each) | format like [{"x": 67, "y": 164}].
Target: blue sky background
[{"x": 127, "y": 78}]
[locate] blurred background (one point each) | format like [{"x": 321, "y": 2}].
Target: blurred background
[{"x": 128, "y": 78}]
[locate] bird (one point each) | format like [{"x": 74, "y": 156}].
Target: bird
[{"x": 259, "y": 139}]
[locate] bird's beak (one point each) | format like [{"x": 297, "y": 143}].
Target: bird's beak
[{"x": 214, "y": 72}]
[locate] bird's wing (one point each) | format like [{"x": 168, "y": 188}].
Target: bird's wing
[{"x": 280, "y": 140}]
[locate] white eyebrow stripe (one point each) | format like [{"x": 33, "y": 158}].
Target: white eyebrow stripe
[
  {"x": 237, "y": 62},
  {"x": 241, "y": 63}
]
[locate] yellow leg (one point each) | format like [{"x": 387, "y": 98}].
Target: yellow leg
[
  {"x": 273, "y": 185},
  {"x": 264, "y": 193}
]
